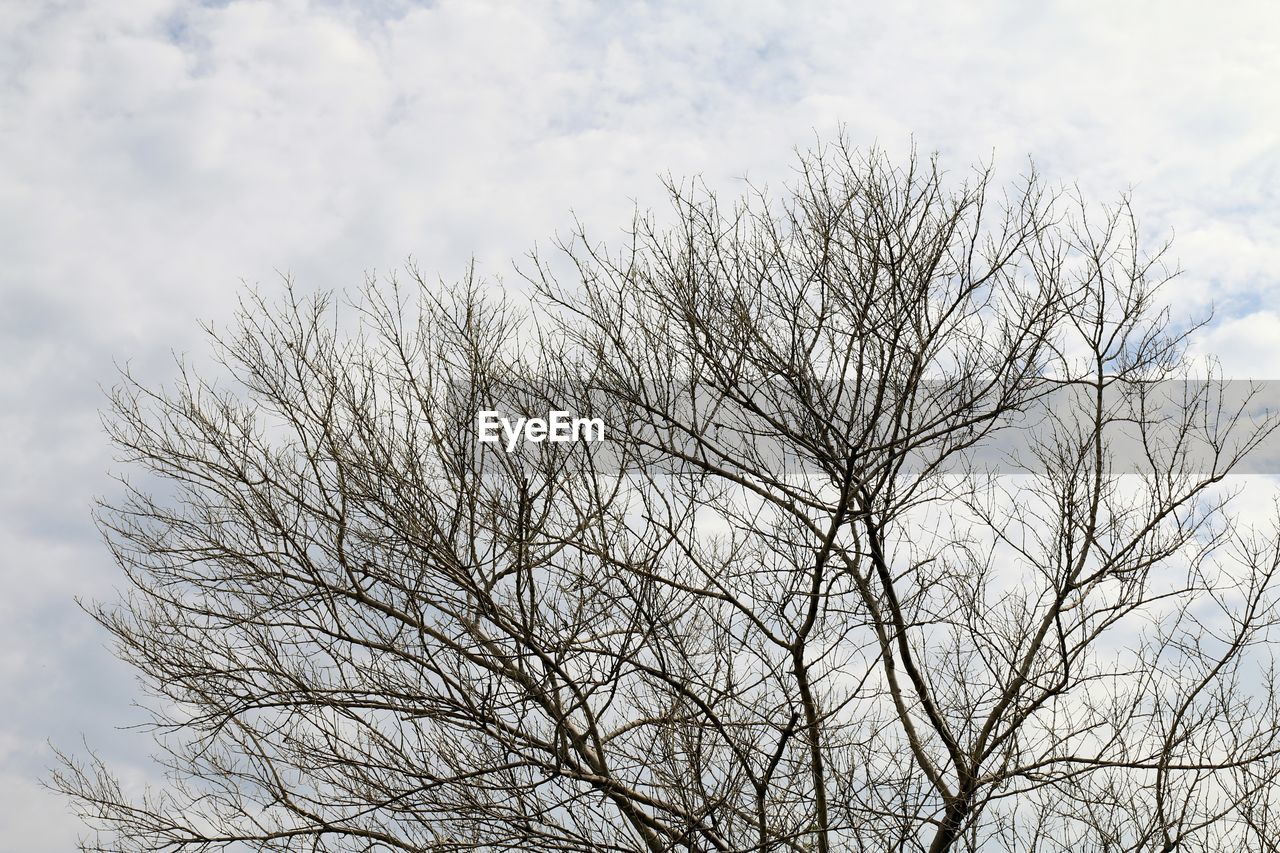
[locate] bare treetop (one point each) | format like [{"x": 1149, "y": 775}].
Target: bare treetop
[{"x": 768, "y": 612}]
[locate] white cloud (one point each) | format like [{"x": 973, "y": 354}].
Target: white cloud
[
  {"x": 156, "y": 152},
  {"x": 1245, "y": 347}
]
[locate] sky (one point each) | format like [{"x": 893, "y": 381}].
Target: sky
[{"x": 156, "y": 155}]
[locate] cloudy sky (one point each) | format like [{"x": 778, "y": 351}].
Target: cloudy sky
[{"x": 154, "y": 154}]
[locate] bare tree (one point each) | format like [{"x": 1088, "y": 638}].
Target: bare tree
[{"x": 783, "y": 607}]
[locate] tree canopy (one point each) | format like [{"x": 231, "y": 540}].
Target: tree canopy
[{"x": 782, "y": 607}]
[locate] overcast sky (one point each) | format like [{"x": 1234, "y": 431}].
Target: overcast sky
[{"x": 154, "y": 154}]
